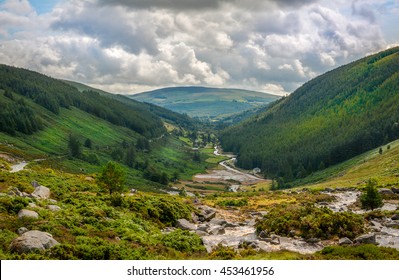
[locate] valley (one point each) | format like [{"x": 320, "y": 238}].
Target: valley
[{"x": 94, "y": 176}]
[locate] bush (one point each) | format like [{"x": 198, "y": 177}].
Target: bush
[
  {"x": 12, "y": 205},
  {"x": 371, "y": 199},
  {"x": 233, "y": 202},
  {"x": 183, "y": 241},
  {"x": 310, "y": 221},
  {"x": 361, "y": 252}
]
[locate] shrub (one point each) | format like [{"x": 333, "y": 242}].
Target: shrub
[
  {"x": 361, "y": 252},
  {"x": 112, "y": 177},
  {"x": 310, "y": 221},
  {"x": 233, "y": 202},
  {"x": 371, "y": 199},
  {"x": 183, "y": 241}
]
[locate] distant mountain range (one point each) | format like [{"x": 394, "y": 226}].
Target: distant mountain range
[
  {"x": 204, "y": 102},
  {"x": 331, "y": 118}
]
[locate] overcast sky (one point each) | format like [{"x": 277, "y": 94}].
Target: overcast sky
[{"x": 129, "y": 46}]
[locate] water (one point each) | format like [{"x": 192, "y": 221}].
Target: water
[{"x": 18, "y": 167}]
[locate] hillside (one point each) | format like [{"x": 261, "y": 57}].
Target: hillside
[
  {"x": 165, "y": 114},
  {"x": 331, "y": 118},
  {"x": 207, "y": 103},
  {"x": 43, "y": 119}
]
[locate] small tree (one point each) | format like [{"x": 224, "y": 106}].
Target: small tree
[
  {"x": 112, "y": 177},
  {"x": 88, "y": 143},
  {"x": 371, "y": 199},
  {"x": 74, "y": 146}
]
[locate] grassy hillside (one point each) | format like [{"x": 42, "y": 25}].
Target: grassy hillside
[
  {"x": 332, "y": 118},
  {"x": 212, "y": 103}
]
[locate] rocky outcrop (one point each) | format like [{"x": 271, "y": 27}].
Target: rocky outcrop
[
  {"x": 185, "y": 225},
  {"x": 345, "y": 241},
  {"x": 385, "y": 191},
  {"x": 366, "y": 239},
  {"x": 32, "y": 241},
  {"x": 41, "y": 192},
  {"x": 206, "y": 213},
  {"x": 24, "y": 213}
]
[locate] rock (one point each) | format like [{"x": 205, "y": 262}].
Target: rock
[
  {"x": 385, "y": 191},
  {"x": 32, "y": 205},
  {"x": 244, "y": 244},
  {"x": 395, "y": 190},
  {"x": 194, "y": 218},
  {"x": 275, "y": 239},
  {"x": 263, "y": 234},
  {"x": 53, "y": 201},
  {"x": 313, "y": 240},
  {"x": 395, "y": 217},
  {"x": 201, "y": 233},
  {"x": 53, "y": 208},
  {"x": 216, "y": 230},
  {"x": 219, "y": 222},
  {"x": 203, "y": 227},
  {"x": 323, "y": 203},
  {"x": 207, "y": 213},
  {"x": 392, "y": 224},
  {"x": 185, "y": 225},
  {"x": 41, "y": 192},
  {"x": 376, "y": 224},
  {"x": 345, "y": 241},
  {"x": 168, "y": 229},
  {"x": 22, "y": 230},
  {"x": 34, "y": 184},
  {"x": 24, "y": 213},
  {"x": 366, "y": 239},
  {"x": 32, "y": 241},
  {"x": 231, "y": 225},
  {"x": 329, "y": 190}
]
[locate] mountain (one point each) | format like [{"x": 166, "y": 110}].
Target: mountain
[
  {"x": 45, "y": 119},
  {"x": 165, "y": 114},
  {"x": 331, "y": 118},
  {"x": 203, "y": 102}
]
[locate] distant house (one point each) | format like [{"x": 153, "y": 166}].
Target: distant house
[{"x": 256, "y": 170}]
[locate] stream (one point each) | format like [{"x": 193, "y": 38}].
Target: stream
[{"x": 18, "y": 167}]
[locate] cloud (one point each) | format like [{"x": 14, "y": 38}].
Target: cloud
[{"x": 128, "y": 46}]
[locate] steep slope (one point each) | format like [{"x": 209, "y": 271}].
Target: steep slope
[
  {"x": 163, "y": 113},
  {"x": 205, "y": 102},
  {"x": 333, "y": 117}
]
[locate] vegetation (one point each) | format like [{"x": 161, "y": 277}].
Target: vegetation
[
  {"x": 371, "y": 198},
  {"x": 205, "y": 103},
  {"x": 310, "y": 221},
  {"x": 332, "y": 118},
  {"x": 112, "y": 178}
]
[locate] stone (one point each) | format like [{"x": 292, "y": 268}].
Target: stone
[
  {"x": 231, "y": 225},
  {"x": 207, "y": 213},
  {"x": 263, "y": 234},
  {"x": 41, "y": 192},
  {"x": 34, "y": 184},
  {"x": 395, "y": 217},
  {"x": 244, "y": 244},
  {"x": 203, "y": 227},
  {"x": 313, "y": 240},
  {"x": 216, "y": 230},
  {"x": 185, "y": 225},
  {"x": 33, "y": 241},
  {"x": 53, "y": 201},
  {"x": 385, "y": 191},
  {"x": 329, "y": 190},
  {"x": 219, "y": 222},
  {"x": 201, "y": 233},
  {"x": 22, "y": 230},
  {"x": 345, "y": 241},
  {"x": 24, "y": 213},
  {"x": 395, "y": 190},
  {"x": 53, "y": 208},
  {"x": 194, "y": 218},
  {"x": 366, "y": 239}
]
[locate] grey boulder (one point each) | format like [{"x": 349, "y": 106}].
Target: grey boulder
[
  {"x": 24, "y": 213},
  {"x": 33, "y": 241}
]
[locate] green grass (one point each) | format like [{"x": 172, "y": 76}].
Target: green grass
[{"x": 356, "y": 171}]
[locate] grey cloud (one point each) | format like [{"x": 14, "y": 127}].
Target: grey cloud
[
  {"x": 363, "y": 11},
  {"x": 201, "y": 5}
]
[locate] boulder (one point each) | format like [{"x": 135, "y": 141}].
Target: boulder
[
  {"x": 41, "y": 192},
  {"x": 395, "y": 190},
  {"x": 33, "y": 241},
  {"x": 345, "y": 241},
  {"x": 185, "y": 225},
  {"x": 366, "y": 239},
  {"x": 22, "y": 230},
  {"x": 231, "y": 225},
  {"x": 24, "y": 213},
  {"x": 201, "y": 233},
  {"x": 53, "y": 208},
  {"x": 329, "y": 190},
  {"x": 219, "y": 222},
  {"x": 263, "y": 234},
  {"x": 207, "y": 213},
  {"x": 216, "y": 230},
  {"x": 395, "y": 217},
  {"x": 34, "y": 184},
  {"x": 385, "y": 191}
]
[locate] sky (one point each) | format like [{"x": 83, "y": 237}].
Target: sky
[{"x": 131, "y": 46}]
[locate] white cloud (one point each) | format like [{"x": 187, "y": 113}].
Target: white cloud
[{"x": 127, "y": 46}]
